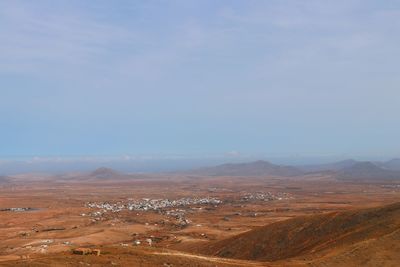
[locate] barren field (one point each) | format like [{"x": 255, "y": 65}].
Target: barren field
[{"x": 160, "y": 220}]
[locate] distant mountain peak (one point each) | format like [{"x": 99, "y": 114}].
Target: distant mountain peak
[
  {"x": 104, "y": 172},
  {"x": 334, "y": 166},
  {"x": 367, "y": 170},
  {"x": 393, "y": 164},
  {"x": 254, "y": 168},
  {"x": 350, "y": 161},
  {"x": 364, "y": 165}
]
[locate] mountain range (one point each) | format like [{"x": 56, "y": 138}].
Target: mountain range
[
  {"x": 255, "y": 168},
  {"x": 367, "y": 171},
  {"x": 343, "y": 170}
]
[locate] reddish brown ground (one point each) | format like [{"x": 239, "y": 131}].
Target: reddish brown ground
[{"x": 61, "y": 203}]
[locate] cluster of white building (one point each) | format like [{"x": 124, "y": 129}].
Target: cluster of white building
[
  {"x": 146, "y": 204},
  {"x": 265, "y": 196},
  {"x": 17, "y": 209}
]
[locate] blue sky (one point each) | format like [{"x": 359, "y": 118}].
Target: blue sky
[{"x": 272, "y": 78}]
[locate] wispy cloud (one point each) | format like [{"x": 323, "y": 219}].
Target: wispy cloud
[
  {"x": 38, "y": 41},
  {"x": 196, "y": 75}
]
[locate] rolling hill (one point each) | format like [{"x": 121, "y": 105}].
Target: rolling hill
[
  {"x": 102, "y": 174},
  {"x": 393, "y": 164},
  {"x": 335, "y": 166},
  {"x": 256, "y": 168},
  {"x": 367, "y": 171},
  {"x": 314, "y": 237},
  {"x": 105, "y": 173}
]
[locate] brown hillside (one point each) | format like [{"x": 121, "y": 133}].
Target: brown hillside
[
  {"x": 382, "y": 251},
  {"x": 309, "y": 234}
]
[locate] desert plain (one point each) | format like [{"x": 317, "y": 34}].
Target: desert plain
[{"x": 170, "y": 219}]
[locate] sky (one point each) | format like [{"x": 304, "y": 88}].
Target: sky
[{"x": 271, "y": 78}]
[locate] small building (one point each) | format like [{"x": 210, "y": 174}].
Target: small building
[{"x": 86, "y": 251}]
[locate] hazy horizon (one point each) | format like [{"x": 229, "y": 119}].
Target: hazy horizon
[
  {"x": 251, "y": 79},
  {"x": 155, "y": 163}
]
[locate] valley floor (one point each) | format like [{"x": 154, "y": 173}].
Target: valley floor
[{"x": 58, "y": 219}]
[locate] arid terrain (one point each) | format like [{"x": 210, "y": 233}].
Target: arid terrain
[
  {"x": 199, "y": 219},
  {"x": 199, "y": 133}
]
